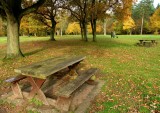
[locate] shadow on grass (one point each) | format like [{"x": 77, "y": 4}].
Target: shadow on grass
[
  {"x": 34, "y": 52},
  {"x": 101, "y": 42}
]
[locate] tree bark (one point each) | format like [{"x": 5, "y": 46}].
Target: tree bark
[
  {"x": 81, "y": 26},
  {"x": 104, "y": 29},
  {"x": 93, "y": 25},
  {"x": 93, "y": 20},
  {"x": 142, "y": 23},
  {"x": 13, "y": 44},
  {"x": 14, "y": 12},
  {"x": 85, "y": 31},
  {"x": 52, "y": 32},
  {"x": 84, "y": 21}
]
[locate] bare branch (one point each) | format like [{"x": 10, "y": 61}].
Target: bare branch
[
  {"x": 32, "y": 8},
  {"x": 5, "y": 6},
  {"x": 44, "y": 15}
]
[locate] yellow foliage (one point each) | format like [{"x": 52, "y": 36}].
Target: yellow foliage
[
  {"x": 73, "y": 28},
  {"x": 155, "y": 20},
  {"x": 98, "y": 28},
  {"x": 128, "y": 23}
]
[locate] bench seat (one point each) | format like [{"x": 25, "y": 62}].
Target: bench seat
[
  {"x": 15, "y": 79},
  {"x": 69, "y": 88}
]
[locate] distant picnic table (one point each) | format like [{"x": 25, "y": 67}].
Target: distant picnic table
[
  {"x": 147, "y": 42},
  {"x": 39, "y": 74}
]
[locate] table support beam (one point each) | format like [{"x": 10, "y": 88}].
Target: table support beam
[
  {"x": 36, "y": 89},
  {"x": 17, "y": 93}
]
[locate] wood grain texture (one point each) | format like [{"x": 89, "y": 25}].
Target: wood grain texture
[
  {"x": 68, "y": 89},
  {"x": 48, "y": 67}
]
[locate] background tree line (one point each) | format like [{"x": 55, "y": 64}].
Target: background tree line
[
  {"x": 50, "y": 17},
  {"x": 38, "y": 24}
]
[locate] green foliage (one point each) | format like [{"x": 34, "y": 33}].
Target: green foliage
[
  {"x": 2, "y": 101},
  {"x": 144, "y": 9},
  {"x": 36, "y": 102},
  {"x": 32, "y": 111}
]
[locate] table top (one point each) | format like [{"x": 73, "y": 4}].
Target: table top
[
  {"x": 147, "y": 40},
  {"x": 48, "y": 67}
]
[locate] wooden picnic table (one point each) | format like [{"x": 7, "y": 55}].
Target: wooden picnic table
[
  {"x": 147, "y": 42},
  {"x": 142, "y": 41},
  {"x": 37, "y": 73}
]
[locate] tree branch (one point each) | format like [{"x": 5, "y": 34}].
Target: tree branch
[
  {"x": 32, "y": 8},
  {"x": 45, "y": 23},
  {"x": 4, "y": 6},
  {"x": 44, "y": 15}
]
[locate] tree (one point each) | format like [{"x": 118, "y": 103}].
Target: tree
[
  {"x": 128, "y": 24},
  {"x": 97, "y": 10},
  {"x": 62, "y": 22},
  {"x": 141, "y": 13},
  {"x": 48, "y": 12},
  {"x": 2, "y": 27},
  {"x": 30, "y": 25},
  {"x": 73, "y": 28},
  {"x": 14, "y": 11},
  {"x": 78, "y": 10},
  {"x": 155, "y": 20}
]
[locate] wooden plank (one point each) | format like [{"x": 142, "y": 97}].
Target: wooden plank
[
  {"x": 68, "y": 89},
  {"x": 17, "y": 93},
  {"x": 45, "y": 68},
  {"x": 15, "y": 79}
]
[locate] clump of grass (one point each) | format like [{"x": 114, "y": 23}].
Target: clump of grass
[{"x": 36, "y": 101}]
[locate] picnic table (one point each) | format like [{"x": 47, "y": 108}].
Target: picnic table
[
  {"x": 38, "y": 73},
  {"x": 147, "y": 42}
]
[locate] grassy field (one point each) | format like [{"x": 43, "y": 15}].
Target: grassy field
[{"x": 132, "y": 73}]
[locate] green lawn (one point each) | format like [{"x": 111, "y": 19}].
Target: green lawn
[{"x": 132, "y": 73}]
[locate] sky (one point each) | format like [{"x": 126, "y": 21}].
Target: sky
[{"x": 156, "y": 2}]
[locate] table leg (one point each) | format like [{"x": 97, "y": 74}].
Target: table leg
[
  {"x": 36, "y": 85},
  {"x": 16, "y": 90},
  {"x": 141, "y": 41}
]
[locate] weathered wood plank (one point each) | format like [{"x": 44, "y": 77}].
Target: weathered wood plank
[
  {"x": 15, "y": 79},
  {"x": 45, "y": 68},
  {"x": 67, "y": 90}
]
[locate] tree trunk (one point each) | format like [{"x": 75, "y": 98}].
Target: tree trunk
[
  {"x": 61, "y": 32},
  {"x": 142, "y": 24},
  {"x": 93, "y": 20},
  {"x": 81, "y": 26},
  {"x": 130, "y": 31},
  {"x": 13, "y": 44},
  {"x": 85, "y": 31},
  {"x": 93, "y": 25},
  {"x": 52, "y": 32},
  {"x": 104, "y": 26}
]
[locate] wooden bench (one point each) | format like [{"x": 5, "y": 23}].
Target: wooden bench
[
  {"x": 68, "y": 89},
  {"x": 15, "y": 79},
  {"x": 67, "y": 92},
  {"x": 15, "y": 87}
]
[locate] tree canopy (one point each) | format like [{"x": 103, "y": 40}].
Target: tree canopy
[
  {"x": 155, "y": 20},
  {"x": 14, "y": 10}
]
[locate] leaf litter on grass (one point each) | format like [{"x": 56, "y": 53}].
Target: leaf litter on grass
[{"x": 132, "y": 83}]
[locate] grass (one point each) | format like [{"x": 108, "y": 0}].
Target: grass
[{"x": 132, "y": 73}]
